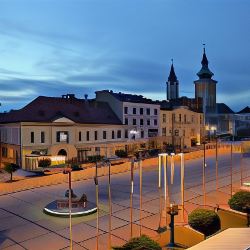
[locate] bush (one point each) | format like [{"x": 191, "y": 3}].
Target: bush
[
  {"x": 143, "y": 242},
  {"x": 76, "y": 167},
  {"x": 95, "y": 158},
  {"x": 11, "y": 168},
  {"x": 204, "y": 221},
  {"x": 121, "y": 153},
  {"x": 240, "y": 201},
  {"x": 44, "y": 163}
]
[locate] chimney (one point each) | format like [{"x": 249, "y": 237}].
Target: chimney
[{"x": 86, "y": 97}]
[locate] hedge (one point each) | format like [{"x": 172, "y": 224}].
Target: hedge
[
  {"x": 240, "y": 201},
  {"x": 204, "y": 221}
]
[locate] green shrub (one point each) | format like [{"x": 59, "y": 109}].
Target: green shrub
[
  {"x": 204, "y": 221},
  {"x": 240, "y": 201},
  {"x": 44, "y": 163},
  {"x": 95, "y": 158},
  {"x": 11, "y": 168},
  {"x": 76, "y": 167},
  {"x": 143, "y": 242},
  {"x": 121, "y": 153}
]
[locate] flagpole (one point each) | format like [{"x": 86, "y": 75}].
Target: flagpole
[
  {"x": 140, "y": 169},
  {"x": 110, "y": 203},
  {"x": 204, "y": 174},
  {"x": 70, "y": 214},
  {"x": 97, "y": 206},
  {"x": 131, "y": 197}
]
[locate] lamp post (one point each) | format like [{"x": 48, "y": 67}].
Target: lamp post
[
  {"x": 68, "y": 171},
  {"x": 140, "y": 173},
  {"x": 172, "y": 211}
]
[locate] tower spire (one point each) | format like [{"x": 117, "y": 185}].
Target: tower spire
[
  {"x": 205, "y": 71},
  {"x": 172, "y": 84}
]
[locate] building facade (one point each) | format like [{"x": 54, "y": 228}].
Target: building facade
[
  {"x": 67, "y": 126},
  {"x": 181, "y": 127},
  {"x": 134, "y": 110}
]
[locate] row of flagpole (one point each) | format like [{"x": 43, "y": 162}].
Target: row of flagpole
[{"x": 162, "y": 160}]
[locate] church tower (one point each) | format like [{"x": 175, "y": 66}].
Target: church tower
[
  {"x": 205, "y": 87},
  {"x": 172, "y": 85}
]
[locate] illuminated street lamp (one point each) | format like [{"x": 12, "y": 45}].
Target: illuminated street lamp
[{"x": 172, "y": 210}]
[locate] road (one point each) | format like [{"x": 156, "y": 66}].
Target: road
[{"x": 24, "y": 225}]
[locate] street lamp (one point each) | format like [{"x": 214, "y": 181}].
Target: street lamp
[
  {"x": 172, "y": 210},
  {"x": 68, "y": 171}
]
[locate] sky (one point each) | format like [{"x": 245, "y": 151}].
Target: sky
[{"x": 54, "y": 47}]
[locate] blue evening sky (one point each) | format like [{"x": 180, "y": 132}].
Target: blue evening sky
[{"x": 53, "y": 47}]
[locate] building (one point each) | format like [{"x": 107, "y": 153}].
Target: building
[
  {"x": 172, "y": 85},
  {"x": 134, "y": 110},
  {"x": 205, "y": 88},
  {"x": 61, "y": 126},
  {"x": 181, "y": 127},
  {"x": 242, "y": 122}
]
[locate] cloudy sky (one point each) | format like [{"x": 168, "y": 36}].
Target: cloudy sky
[{"x": 53, "y": 47}]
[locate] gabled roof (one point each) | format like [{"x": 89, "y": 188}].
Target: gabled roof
[
  {"x": 244, "y": 111},
  {"x": 48, "y": 109},
  {"x": 222, "y": 108}
]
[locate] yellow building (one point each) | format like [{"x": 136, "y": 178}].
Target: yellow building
[
  {"x": 181, "y": 127},
  {"x": 61, "y": 126}
]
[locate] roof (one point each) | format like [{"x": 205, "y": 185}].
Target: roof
[
  {"x": 48, "y": 109},
  {"x": 123, "y": 97},
  {"x": 222, "y": 108},
  {"x": 172, "y": 76},
  {"x": 205, "y": 71},
  {"x": 244, "y": 111},
  {"x": 229, "y": 239}
]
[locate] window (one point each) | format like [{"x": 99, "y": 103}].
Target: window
[
  {"x": 176, "y": 132},
  {"x": 192, "y": 119},
  {"x": 141, "y": 122},
  {"x": 4, "y": 152},
  {"x": 126, "y": 133},
  {"x": 87, "y": 136},
  {"x": 80, "y": 136},
  {"x": 113, "y": 134},
  {"x": 96, "y": 135},
  {"x": 126, "y": 121},
  {"x": 164, "y": 118},
  {"x": 142, "y": 134},
  {"x": 32, "y": 137},
  {"x": 173, "y": 117},
  {"x": 184, "y": 132},
  {"x": 62, "y": 136},
  {"x": 185, "y": 118},
  {"x": 179, "y": 117},
  {"x": 125, "y": 110},
  {"x": 148, "y": 111},
  {"x": 170, "y": 131},
  {"x": 134, "y": 111},
  {"x": 141, "y": 111},
  {"x": 148, "y": 122},
  {"x": 164, "y": 131},
  {"x": 42, "y": 137},
  {"x": 134, "y": 121},
  {"x": 119, "y": 133},
  {"x": 155, "y": 122},
  {"x": 104, "y": 135},
  {"x": 155, "y": 112}
]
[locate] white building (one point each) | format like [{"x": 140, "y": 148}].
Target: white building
[{"x": 134, "y": 110}]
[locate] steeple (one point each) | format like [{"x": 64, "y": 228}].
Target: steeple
[
  {"x": 172, "y": 84},
  {"x": 172, "y": 76},
  {"x": 205, "y": 71}
]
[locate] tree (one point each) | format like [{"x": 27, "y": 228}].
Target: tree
[{"x": 11, "y": 168}]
